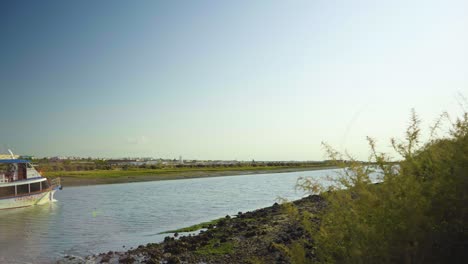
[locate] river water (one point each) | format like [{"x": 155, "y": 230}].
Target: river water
[{"x": 94, "y": 219}]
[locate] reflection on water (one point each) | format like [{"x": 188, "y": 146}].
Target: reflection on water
[
  {"x": 23, "y": 228},
  {"x": 93, "y": 219}
]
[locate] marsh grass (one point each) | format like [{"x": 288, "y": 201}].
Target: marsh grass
[
  {"x": 91, "y": 177},
  {"x": 194, "y": 228},
  {"x": 215, "y": 247},
  {"x": 165, "y": 171}
]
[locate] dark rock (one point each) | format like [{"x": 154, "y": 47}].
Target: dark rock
[
  {"x": 126, "y": 259},
  {"x": 106, "y": 258},
  {"x": 250, "y": 234},
  {"x": 271, "y": 247},
  {"x": 173, "y": 260}
]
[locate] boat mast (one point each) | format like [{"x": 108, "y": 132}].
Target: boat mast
[{"x": 11, "y": 153}]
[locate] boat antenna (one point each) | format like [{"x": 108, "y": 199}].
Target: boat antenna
[{"x": 11, "y": 153}]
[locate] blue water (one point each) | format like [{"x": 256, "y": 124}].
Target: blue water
[{"x": 93, "y": 219}]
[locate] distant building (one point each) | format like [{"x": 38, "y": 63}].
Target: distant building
[{"x": 27, "y": 157}]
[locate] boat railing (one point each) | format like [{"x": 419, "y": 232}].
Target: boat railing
[{"x": 55, "y": 182}]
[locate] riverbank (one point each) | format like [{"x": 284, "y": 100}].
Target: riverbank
[
  {"x": 251, "y": 237},
  {"x": 81, "y": 178}
]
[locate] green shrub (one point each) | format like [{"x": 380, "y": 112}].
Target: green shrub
[{"x": 417, "y": 214}]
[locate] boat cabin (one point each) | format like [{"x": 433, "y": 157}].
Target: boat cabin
[
  {"x": 19, "y": 177},
  {"x": 16, "y": 170}
]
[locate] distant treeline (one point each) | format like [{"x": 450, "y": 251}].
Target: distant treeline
[{"x": 87, "y": 165}]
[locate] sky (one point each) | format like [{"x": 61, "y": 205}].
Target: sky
[{"x": 263, "y": 80}]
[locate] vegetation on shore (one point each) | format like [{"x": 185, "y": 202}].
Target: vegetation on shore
[
  {"x": 75, "y": 164},
  {"x": 195, "y": 227},
  {"x": 115, "y": 173},
  {"x": 87, "y": 171},
  {"x": 76, "y": 178},
  {"x": 418, "y": 213}
]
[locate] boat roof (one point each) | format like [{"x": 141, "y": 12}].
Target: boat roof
[{"x": 8, "y": 161}]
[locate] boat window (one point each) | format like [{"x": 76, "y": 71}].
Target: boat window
[
  {"x": 45, "y": 185},
  {"x": 22, "y": 189},
  {"x": 35, "y": 187},
  {"x": 7, "y": 191},
  {"x": 29, "y": 165}
]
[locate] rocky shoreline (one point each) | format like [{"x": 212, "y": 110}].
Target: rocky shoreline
[{"x": 249, "y": 237}]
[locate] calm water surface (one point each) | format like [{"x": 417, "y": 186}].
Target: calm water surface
[{"x": 93, "y": 219}]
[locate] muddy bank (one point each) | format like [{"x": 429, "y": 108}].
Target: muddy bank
[
  {"x": 82, "y": 181},
  {"x": 245, "y": 238}
]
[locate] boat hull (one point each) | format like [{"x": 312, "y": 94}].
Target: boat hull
[{"x": 27, "y": 200}]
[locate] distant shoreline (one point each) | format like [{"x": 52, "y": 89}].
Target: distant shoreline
[{"x": 78, "y": 178}]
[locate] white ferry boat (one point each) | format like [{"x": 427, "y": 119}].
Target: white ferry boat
[{"x": 22, "y": 185}]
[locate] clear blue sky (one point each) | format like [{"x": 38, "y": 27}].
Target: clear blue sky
[{"x": 264, "y": 80}]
